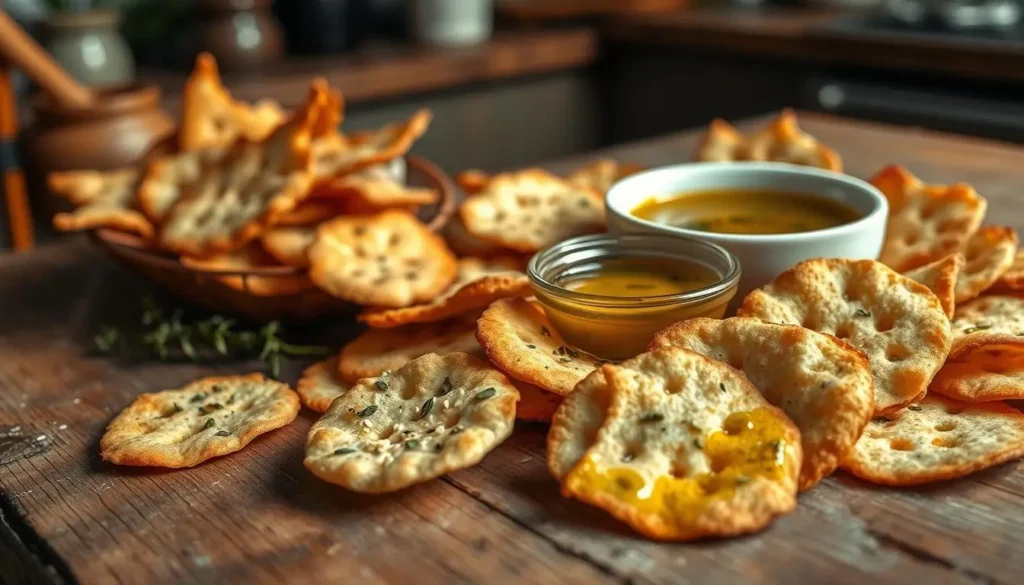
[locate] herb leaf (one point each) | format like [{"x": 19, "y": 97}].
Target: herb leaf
[
  {"x": 427, "y": 407},
  {"x": 486, "y": 393},
  {"x": 368, "y": 411}
]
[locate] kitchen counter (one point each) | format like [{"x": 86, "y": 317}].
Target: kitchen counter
[
  {"x": 816, "y": 35},
  {"x": 258, "y": 516}
]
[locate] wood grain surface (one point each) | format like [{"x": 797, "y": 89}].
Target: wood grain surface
[{"x": 258, "y": 517}]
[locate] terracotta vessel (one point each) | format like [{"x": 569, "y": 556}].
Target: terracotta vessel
[{"x": 241, "y": 34}]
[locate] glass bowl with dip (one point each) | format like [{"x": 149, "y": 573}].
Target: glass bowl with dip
[
  {"x": 769, "y": 215},
  {"x": 608, "y": 295}
]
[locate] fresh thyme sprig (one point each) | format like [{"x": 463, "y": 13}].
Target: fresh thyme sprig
[{"x": 169, "y": 338}]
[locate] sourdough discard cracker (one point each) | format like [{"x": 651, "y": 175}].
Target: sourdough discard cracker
[
  {"x": 465, "y": 244},
  {"x": 992, "y": 372},
  {"x": 170, "y": 177},
  {"x": 205, "y": 419},
  {"x": 897, "y": 322},
  {"x": 926, "y": 222},
  {"x": 336, "y": 156},
  {"x": 575, "y": 424},
  {"x": 991, "y": 320},
  {"x": 373, "y": 189},
  {"x": 721, "y": 143},
  {"x": 477, "y": 284},
  {"x": 781, "y": 140},
  {"x": 941, "y": 278},
  {"x": 386, "y": 260},
  {"x": 535, "y": 405},
  {"x": 531, "y": 209},
  {"x": 380, "y": 350},
  {"x": 320, "y": 384},
  {"x": 244, "y": 260},
  {"x": 230, "y": 203},
  {"x": 103, "y": 199},
  {"x": 310, "y": 212},
  {"x": 288, "y": 245},
  {"x": 689, "y": 449},
  {"x": 430, "y": 417},
  {"x": 935, "y": 440},
  {"x": 820, "y": 382},
  {"x": 601, "y": 174},
  {"x": 1013, "y": 278},
  {"x": 989, "y": 253},
  {"x": 519, "y": 339},
  {"x": 472, "y": 181}
]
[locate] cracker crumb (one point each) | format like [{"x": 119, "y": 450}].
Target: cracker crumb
[
  {"x": 76, "y": 401},
  {"x": 41, "y": 438},
  {"x": 15, "y": 430},
  {"x": 62, "y": 427}
]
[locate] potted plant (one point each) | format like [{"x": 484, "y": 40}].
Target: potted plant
[{"x": 83, "y": 36}]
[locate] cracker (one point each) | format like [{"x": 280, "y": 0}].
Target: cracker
[
  {"x": 689, "y": 449},
  {"x": 936, "y": 440},
  {"x": 249, "y": 258},
  {"x": 992, "y": 372},
  {"x": 103, "y": 199},
  {"x": 375, "y": 188},
  {"x": 477, "y": 284},
  {"x": 207, "y": 418},
  {"x": 472, "y": 181},
  {"x": 288, "y": 245},
  {"x": 310, "y": 212},
  {"x": 941, "y": 278},
  {"x": 380, "y": 350},
  {"x": 898, "y": 323},
  {"x": 465, "y": 244},
  {"x": 1013, "y": 278},
  {"x": 781, "y": 140},
  {"x": 386, "y": 260},
  {"x": 532, "y": 209},
  {"x": 320, "y": 384},
  {"x": 990, "y": 253},
  {"x": 519, "y": 339},
  {"x": 820, "y": 382},
  {"x": 430, "y": 417},
  {"x": 535, "y": 405},
  {"x": 575, "y": 424},
  {"x": 230, "y": 203},
  {"x": 926, "y": 222},
  {"x": 601, "y": 174},
  {"x": 990, "y": 320},
  {"x": 339, "y": 156},
  {"x": 170, "y": 177}
]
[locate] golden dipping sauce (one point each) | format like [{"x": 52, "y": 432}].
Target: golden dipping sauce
[
  {"x": 747, "y": 211},
  {"x": 649, "y": 278},
  {"x": 751, "y": 445}
]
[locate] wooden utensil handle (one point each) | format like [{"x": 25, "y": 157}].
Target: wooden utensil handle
[{"x": 23, "y": 52}]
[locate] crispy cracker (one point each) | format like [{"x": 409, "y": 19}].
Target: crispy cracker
[
  {"x": 430, "y": 417},
  {"x": 477, "y": 284},
  {"x": 170, "y": 177},
  {"x": 689, "y": 449},
  {"x": 822, "y": 384},
  {"x": 781, "y": 140},
  {"x": 380, "y": 350},
  {"x": 897, "y": 322},
  {"x": 532, "y": 209},
  {"x": 230, "y": 203},
  {"x": 990, "y": 320},
  {"x": 535, "y": 405},
  {"x": 205, "y": 419},
  {"x": 375, "y": 188},
  {"x": 339, "y": 156},
  {"x": 245, "y": 259},
  {"x": 320, "y": 384},
  {"x": 992, "y": 372},
  {"x": 601, "y": 174},
  {"x": 1013, "y": 278},
  {"x": 465, "y": 244},
  {"x": 935, "y": 440},
  {"x": 575, "y": 424},
  {"x": 310, "y": 212},
  {"x": 941, "y": 278},
  {"x": 288, "y": 245},
  {"x": 386, "y": 260},
  {"x": 926, "y": 222},
  {"x": 519, "y": 339},
  {"x": 103, "y": 199},
  {"x": 472, "y": 181},
  {"x": 990, "y": 253}
]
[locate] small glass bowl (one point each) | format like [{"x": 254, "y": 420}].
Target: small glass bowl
[{"x": 615, "y": 327}]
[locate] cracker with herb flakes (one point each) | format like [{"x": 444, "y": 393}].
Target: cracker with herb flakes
[
  {"x": 519, "y": 339},
  {"x": 575, "y": 424},
  {"x": 477, "y": 284},
  {"x": 896, "y": 322},
  {"x": 320, "y": 384},
  {"x": 689, "y": 450},
  {"x": 823, "y": 384},
  {"x": 990, "y": 320},
  {"x": 941, "y": 278},
  {"x": 288, "y": 245},
  {"x": 380, "y": 350},
  {"x": 936, "y": 440},
  {"x": 386, "y": 260},
  {"x": 991, "y": 372},
  {"x": 434, "y": 415},
  {"x": 231, "y": 202},
  {"x": 531, "y": 209},
  {"x": 926, "y": 222},
  {"x": 246, "y": 259},
  {"x": 103, "y": 199},
  {"x": 601, "y": 174},
  {"x": 535, "y": 405},
  {"x": 207, "y": 418},
  {"x": 990, "y": 253}
]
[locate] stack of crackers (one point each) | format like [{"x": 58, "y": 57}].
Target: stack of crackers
[{"x": 780, "y": 140}]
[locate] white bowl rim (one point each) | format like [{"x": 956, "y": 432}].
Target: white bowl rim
[{"x": 879, "y": 210}]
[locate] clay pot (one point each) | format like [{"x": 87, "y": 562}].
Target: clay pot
[
  {"x": 89, "y": 47},
  {"x": 240, "y": 34}
]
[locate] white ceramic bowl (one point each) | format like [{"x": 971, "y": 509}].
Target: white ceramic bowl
[{"x": 762, "y": 257}]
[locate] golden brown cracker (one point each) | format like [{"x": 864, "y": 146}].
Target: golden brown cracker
[
  {"x": 601, "y": 174},
  {"x": 247, "y": 259},
  {"x": 103, "y": 199},
  {"x": 990, "y": 320},
  {"x": 781, "y": 140},
  {"x": 320, "y": 384},
  {"x": 1013, "y": 278},
  {"x": 992, "y": 372},
  {"x": 941, "y": 278},
  {"x": 575, "y": 424},
  {"x": 380, "y": 350},
  {"x": 535, "y": 405},
  {"x": 990, "y": 253},
  {"x": 288, "y": 245},
  {"x": 339, "y": 156}
]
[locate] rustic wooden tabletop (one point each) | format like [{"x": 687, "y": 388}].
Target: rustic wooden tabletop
[{"x": 258, "y": 517}]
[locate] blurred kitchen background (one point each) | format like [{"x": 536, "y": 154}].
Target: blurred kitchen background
[{"x": 512, "y": 82}]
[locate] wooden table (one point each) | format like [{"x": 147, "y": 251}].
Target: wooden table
[{"x": 258, "y": 517}]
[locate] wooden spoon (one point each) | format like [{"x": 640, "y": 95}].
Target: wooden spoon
[{"x": 20, "y": 50}]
